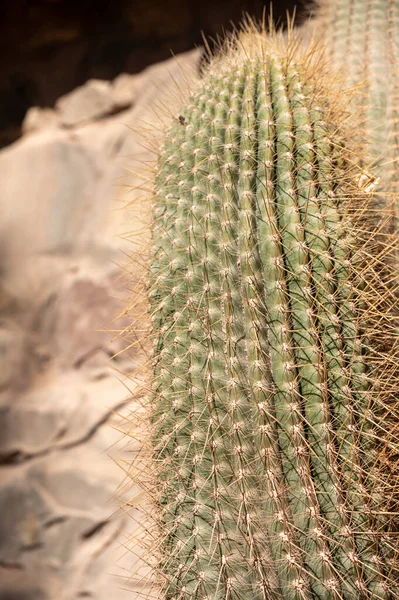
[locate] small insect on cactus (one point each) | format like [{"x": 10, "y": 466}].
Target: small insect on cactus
[{"x": 270, "y": 414}]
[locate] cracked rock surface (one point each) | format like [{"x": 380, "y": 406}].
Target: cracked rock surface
[{"x": 66, "y": 225}]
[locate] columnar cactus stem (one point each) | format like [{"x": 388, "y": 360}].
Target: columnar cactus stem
[{"x": 263, "y": 408}]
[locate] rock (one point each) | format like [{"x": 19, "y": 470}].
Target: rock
[
  {"x": 90, "y": 101},
  {"x": 11, "y": 351},
  {"x": 39, "y": 118},
  {"x": 26, "y": 511},
  {"x": 62, "y": 413},
  {"x": 18, "y": 584},
  {"x": 75, "y": 322},
  {"x": 78, "y": 181},
  {"x": 66, "y": 493},
  {"x": 125, "y": 90},
  {"x": 8, "y": 302},
  {"x": 60, "y": 178},
  {"x": 21, "y": 356},
  {"x": 71, "y": 212}
]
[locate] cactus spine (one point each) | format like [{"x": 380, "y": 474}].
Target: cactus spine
[{"x": 265, "y": 418}]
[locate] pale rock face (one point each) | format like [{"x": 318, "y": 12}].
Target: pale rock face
[
  {"x": 125, "y": 90},
  {"x": 68, "y": 221},
  {"x": 86, "y": 103},
  {"x": 38, "y": 118}
]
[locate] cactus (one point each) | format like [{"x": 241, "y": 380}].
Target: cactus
[
  {"x": 269, "y": 431},
  {"x": 362, "y": 39}
]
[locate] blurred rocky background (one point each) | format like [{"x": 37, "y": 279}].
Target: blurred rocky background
[{"x": 77, "y": 80}]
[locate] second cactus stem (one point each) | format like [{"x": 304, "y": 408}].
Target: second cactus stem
[
  {"x": 362, "y": 40},
  {"x": 263, "y": 407}
]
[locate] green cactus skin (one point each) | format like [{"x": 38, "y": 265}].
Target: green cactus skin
[
  {"x": 362, "y": 39},
  {"x": 262, "y": 406}
]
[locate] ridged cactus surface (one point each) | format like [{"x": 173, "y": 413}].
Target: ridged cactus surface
[
  {"x": 263, "y": 406},
  {"x": 362, "y": 39}
]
